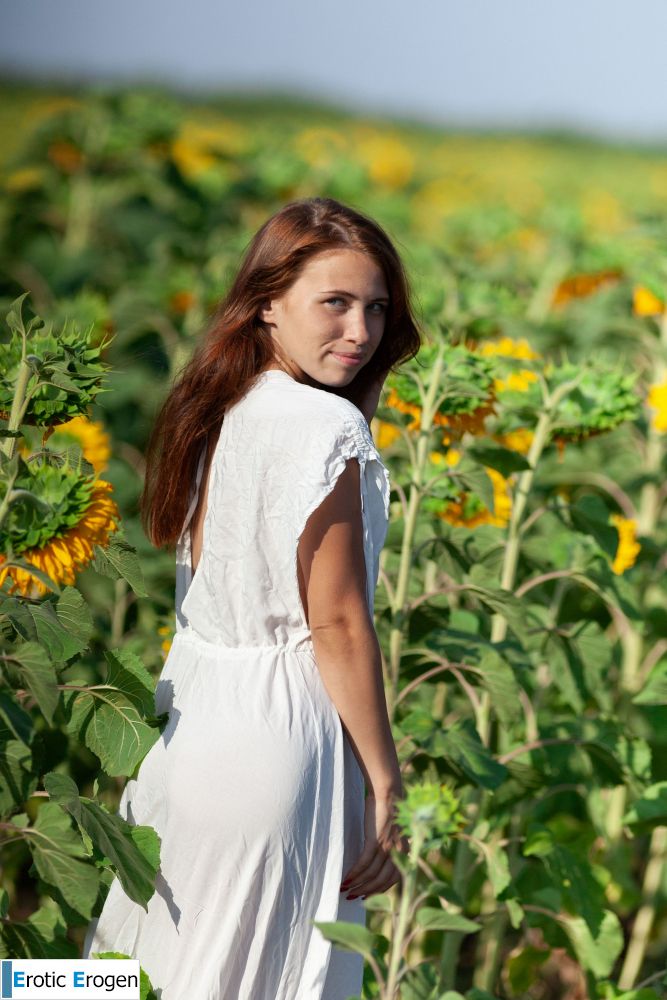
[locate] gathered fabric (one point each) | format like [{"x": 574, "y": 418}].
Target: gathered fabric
[{"x": 252, "y": 787}]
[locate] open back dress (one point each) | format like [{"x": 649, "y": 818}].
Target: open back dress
[{"x": 252, "y": 787}]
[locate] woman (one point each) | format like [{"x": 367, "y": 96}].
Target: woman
[{"x": 273, "y": 682}]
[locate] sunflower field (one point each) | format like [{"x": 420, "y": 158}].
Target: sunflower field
[{"x": 522, "y": 601}]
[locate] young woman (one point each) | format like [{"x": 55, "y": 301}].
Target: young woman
[{"x": 276, "y": 776}]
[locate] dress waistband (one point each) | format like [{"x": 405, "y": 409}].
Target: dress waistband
[{"x": 296, "y": 643}]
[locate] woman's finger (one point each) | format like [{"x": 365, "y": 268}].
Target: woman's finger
[
  {"x": 368, "y": 870},
  {"x": 385, "y": 878}
]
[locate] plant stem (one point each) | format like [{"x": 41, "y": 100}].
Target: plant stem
[
  {"x": 649, "y": 512},
  {"x": 491, "y": 937},
  {"x": 641, "y": 930},
  {"x": 414, "y": 500},
  {"x": 407, "y": 895}
]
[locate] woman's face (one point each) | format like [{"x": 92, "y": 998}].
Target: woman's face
[{"x": 333, "y": 313}]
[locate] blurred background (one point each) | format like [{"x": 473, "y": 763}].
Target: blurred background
[{"x": 592, "y": 67}]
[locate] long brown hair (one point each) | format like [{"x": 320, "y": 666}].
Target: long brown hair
[{"x": 237, "y": 346}]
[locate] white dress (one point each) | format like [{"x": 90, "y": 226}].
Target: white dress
[{"x": 252, "y": 787}]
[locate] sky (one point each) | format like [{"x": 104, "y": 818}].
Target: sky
[{"x": 592, "y": 66}]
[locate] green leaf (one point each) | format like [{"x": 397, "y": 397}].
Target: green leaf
[
  {"x": 38, "y": 675},
  {"x": 596, "y": 952},
  {"x": 112, "y": 836},
  {"x": 475, "y": 480},
  {"x": 431, "y": 918},
  {"x": 17, "y": 720},
  {"x": 348, "y": 936},
  {"x": 18, "y": 777},
  {"x": 497, "y": 676},
  {"x": 591, "y": 516},
  {"x": 56, "y": 850},
  {"x": 119, "y": 559},
  {"x": 497, "y": 864},
  {"x": 503, "y": 460},
  {"x": 51, "y": 634},
  {"x": 581, "y": 892},
  {"x": 42, "y": 935},
  {"x": 75, "y": 616},
  {"x": 502, "y": 602},
  {"x": 463, "y": 750},
  {"x": 654, "y": 691},
  {"x": 516, "y": 912},
  {"x": 109, "y": 717},
  {"x": 650, "y": 808}
]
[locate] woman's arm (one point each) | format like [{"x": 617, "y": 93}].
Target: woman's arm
[{"x": 332, "y": 577}]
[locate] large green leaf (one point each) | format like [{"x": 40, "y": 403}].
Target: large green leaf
[
  {"x": 348, "y": 936},
  {"x": 503, "y": 460},
  {"x": 463, "y": 750},
  {"x": 591, "y": 516},
  {"x": 497, "y": 676},
  {"x": 119, "y": 559},
  {"x": 38, "y": 674},
  {"x": 597, "y": 952},
  {"x": 56, "y": 851},
  {"x": 42, "y": 935},
  {"x": 495, "y": 858},
  {"x": 112, "y": 836},
  {"x": 110, "y": 718},
  {"x": 581, "y": 892}
]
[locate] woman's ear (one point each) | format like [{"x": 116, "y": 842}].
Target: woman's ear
[{"x": 266, "y": 311}]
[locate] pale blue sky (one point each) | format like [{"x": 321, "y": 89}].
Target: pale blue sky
[{"x": 595, "y": 66}]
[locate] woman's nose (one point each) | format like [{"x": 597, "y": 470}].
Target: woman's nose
[{"x": 357, "y": 328}]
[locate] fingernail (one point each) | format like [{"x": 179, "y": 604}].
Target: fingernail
[{"x": 351, "y": 897}]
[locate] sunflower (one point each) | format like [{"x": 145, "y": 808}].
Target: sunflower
[
  {"x": 580, "y": 286},
  {"x": 506, "y": 347},
  {"x": 469, "y": 511},
  {"x": 66, "y": 552},
  {"x": 457, "y": 423},
  {"x": 657, "y": 400},
  {"x": 628, "y": 546},
  {"x": 645, "y": 303},
  {"x": 519, "y": 439},
  {"x": 92, "y": 437},
  {"x": 167, "y": 632}
]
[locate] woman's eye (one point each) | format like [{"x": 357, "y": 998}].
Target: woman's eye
[
  {"x": 381, "y": 305},
  {"x": 336, "y": 298}
]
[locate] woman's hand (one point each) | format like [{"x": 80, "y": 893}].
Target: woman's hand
[{"x": 375, "y": 871}]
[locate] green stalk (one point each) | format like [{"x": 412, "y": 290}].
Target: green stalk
[
  {"x": 16, "y": 415},
  {"x": 649, "y": 512},
  {"x": 414, "y": 500},
  {"x": 476, "y": 799},
  {"x": 408, "y": 892},
  {"x": 513, "y": 547},
  {"x": 641, "y": 930},
  {"x": 19, "y": 403},
  {"x": 492, "y": 935}
]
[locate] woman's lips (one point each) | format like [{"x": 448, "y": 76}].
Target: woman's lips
[{"x": 348, "y": 359}]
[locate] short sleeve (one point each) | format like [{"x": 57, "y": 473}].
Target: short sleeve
[{"x": 326, "y": 448}]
